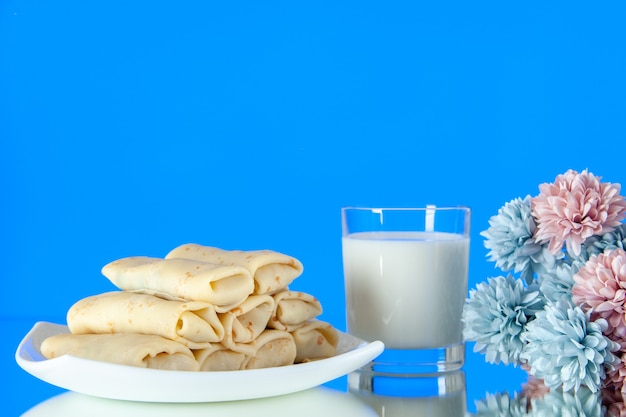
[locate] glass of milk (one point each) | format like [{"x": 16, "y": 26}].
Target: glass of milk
[{"x": 405, "y": 273}]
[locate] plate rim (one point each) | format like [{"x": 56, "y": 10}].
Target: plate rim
[{"x": 309, "y": 374}]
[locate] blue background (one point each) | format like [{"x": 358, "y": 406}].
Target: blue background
[{"x": 128, "y": 128}]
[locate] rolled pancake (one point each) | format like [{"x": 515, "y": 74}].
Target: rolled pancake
[
  {"x": 315, "y": 340},
  {"x": 218, "y": 357},
  {"x": 292, "y": 309},
  {"x": 195, "y": 324},
  {"x": 247, "y": 321},
  {"x": 271, "y": 270},
  {"x": 223, "y": 286},
  {"x": 141, "y": 350},
  {"x": 272, "y": 348}
]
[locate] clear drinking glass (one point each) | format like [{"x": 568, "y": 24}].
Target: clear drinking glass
[
  {"x": 405, "y": 273},
  {"x": 434, "y": 395}
]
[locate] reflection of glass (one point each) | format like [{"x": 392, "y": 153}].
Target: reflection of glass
[{"x": 434, "y": 395}]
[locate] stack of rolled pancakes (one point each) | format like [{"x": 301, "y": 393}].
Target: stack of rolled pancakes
[{"x": 200, "y": 308}]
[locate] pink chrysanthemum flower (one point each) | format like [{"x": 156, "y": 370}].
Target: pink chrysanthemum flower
[
  {"x": 613, "y": 400},
  {"x": 534, "y": 388},
  {"x": 615, "y": 378},
  {"x": 600, "y": 286},
  {"x": 575, "y": 207},
  {"x": 615, "y": 409}
]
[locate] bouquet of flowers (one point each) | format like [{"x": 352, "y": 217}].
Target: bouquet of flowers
[{"x": 560, "y": 310}]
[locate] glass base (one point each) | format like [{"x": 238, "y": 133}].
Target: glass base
[
  {"x": 441, "y": 394},
  {"x": 416, "y": 362}
]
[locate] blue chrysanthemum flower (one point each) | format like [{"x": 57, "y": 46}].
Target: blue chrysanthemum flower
[
  {"x": 496, "y": 314},
  {"x": 566, "y": 349},
  {"x": 557, "y": 283},
  {"x": 597, "y": 244},
  {"x": 510, "y": 240},
  {"x": 501, "y": 405},
  {"x": 543, "y": 261},
  {"x": 580, "y": 403}
]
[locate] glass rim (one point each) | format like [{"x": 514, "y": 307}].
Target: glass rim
[{"x": 424, "y": 208}]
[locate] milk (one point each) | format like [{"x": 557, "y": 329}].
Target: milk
[{"x": 406, "y": 288}]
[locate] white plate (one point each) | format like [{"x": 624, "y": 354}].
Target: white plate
[{"x": 108, "y": 380}]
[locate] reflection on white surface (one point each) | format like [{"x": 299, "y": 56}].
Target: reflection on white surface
[
  {"x": 314, "y": 402},
  {"x": 441, "y": 395}
]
